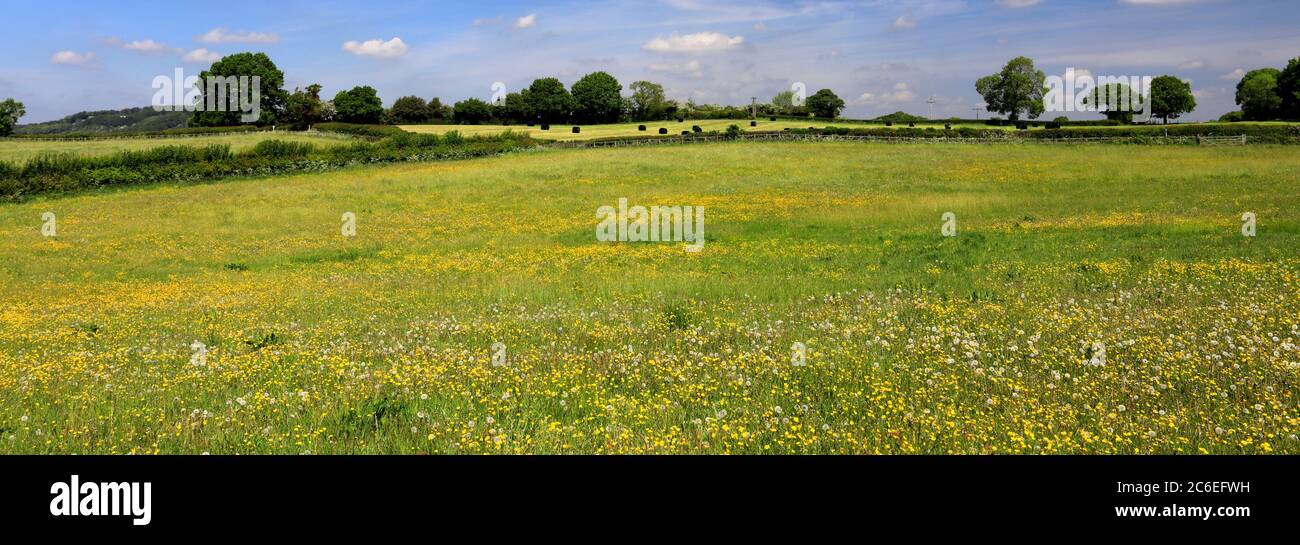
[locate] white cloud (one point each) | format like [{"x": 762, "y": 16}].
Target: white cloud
[
  {"x": 202, "y": 55},
  {"x": 1019, "y": 3},
  {"x": 486, "y": 21},
  {"x": 1081, "y": 73},
  {"x": 1234, "y": 75},
  {"x": 526, "y": 21},
  {"x": 376, "y": 48},
  {"x": 900, "y": 93},
  {"x": 694, "y": 43},
  {"x": 220, "y": 35},
  {"x": 1155, "y": 2},
  {"x": 146, "y": 46},
  {"x": 74, "y": 58},
  {"x": 760, "y": 26},
  {"x": 692, "y": 68},
  {"x": 1196, "y": 64},
  {"x": 904, "y": 22}
]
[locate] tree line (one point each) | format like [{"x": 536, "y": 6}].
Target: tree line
[
  {"x": 1017, "y": 91},
  {"x": 593, "y": 99},
  {"x": 1265, "y": 94}
]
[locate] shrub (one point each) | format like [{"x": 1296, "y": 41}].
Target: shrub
[
  {"x": 59, "y": 173},
  {"x": 947, "y": 126},
  {"x": 364, "y": 131},
  {"x": 1053, "y": 124},
  {"x": 733, "y": 131},
  {"x": 282, "y": 149},
  {"x": 1232, "y": 117}
]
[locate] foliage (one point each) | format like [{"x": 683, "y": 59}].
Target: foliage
[
  {"x": 1015, "y": 91},
  {"x": 647, "y": 102},
  {"x": 825, "y": 103},
  {"x": 10, "y": 111},
  {"x": 365, "y": 131},
  {"x": 271, "y": 88},
  {"x": 1258, "y": 96},
  {"x": 597, "y": 99},
  {"x": 550, "y": 101},
  {"x": 1288, "y": 88},
  {"x": 358, "y": 105},
  {"x": 1232, "y": 117},
  {"x": 472, "y": 111},
  {"x": 1116, "y": 101},
  {"x": 66, "y": 173},
  {"x": 304, "y": 108},
  {"x": 408, "y": 109},
  {"x": 1171, "y": 98}
]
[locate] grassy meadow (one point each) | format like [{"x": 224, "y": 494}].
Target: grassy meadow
[
  {"x": 19, "y": 150},
  {"x": 1095, "y": 299}
]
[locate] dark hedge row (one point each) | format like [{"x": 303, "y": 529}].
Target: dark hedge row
[
  {"x": 182, "y": 131},
  {"x": 364, "y": 131},
  {"x": 67, "y": 173},
  {"x": 1255, "y": 133}
]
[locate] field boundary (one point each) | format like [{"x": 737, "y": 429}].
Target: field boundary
[
  {"x": 312, "y": 133},
  {"x": 1240, "y": 140}
]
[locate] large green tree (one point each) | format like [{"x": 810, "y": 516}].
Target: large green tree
[
  {"x": 597, "y": 98},
  {"x": 1257, "y": 95},
  {"x": 304, "y": 108},
  {"x": 358, "y": 105},
  {"x": 10, "y": 111},
  {"x": 825, "y": 103},
  {"x": 647, "y": 102},
  {"x": 517, "y": 108},
  {"x": 1116, "y": 100},
  {"x": 472, "y": 111},
  {"x": 550, "y": 101},
  {"x": 271, "y": 88},
  {"x": 1171, "y": 98},
  {"x": 1288, "y": 87},
  {"x": 438, "y": 110},
  {"x": 1015, "y": 91},
  {"x": 409, "y": 109}
]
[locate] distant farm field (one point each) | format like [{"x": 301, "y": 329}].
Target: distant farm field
[
  {"x": 19, "y": 150},
  {"x": 1094, "y": 299}
]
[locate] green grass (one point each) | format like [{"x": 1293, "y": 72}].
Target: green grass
[
  {"x": 915, "y": 342},
  {"x": 18, "y": 150}
]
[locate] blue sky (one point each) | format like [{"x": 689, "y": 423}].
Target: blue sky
[{"x": 65, "y": 56}]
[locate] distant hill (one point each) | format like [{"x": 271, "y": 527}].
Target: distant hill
[{"x": 128, "y": 120}]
